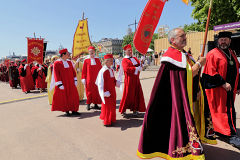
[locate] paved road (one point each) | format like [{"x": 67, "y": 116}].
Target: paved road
[{"x": 30, "y": 131}]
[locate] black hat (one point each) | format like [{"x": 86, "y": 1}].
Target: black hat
[{"x": 225, "y": 34}]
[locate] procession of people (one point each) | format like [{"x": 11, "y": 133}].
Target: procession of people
[{"x": 190, "y": 108}]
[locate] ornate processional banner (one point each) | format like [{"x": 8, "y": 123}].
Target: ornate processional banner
[
  {"x": 147, "y": 24},
  {"x": 81, "y": 40},
  {"x": 35, "y": 50}
]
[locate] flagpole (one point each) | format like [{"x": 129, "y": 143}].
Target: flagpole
[
  {"x": 205, "y": 39},
  {"x": 206, "y": 31}
]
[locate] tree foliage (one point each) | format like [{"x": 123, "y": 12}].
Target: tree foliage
[
  {"x": 128, "y": 39},
  {"x": 223, "y": 11}
]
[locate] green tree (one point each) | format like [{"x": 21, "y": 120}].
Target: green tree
[
  {"x": 223, "y": 11},
  {"x": 128, "y": 39}
]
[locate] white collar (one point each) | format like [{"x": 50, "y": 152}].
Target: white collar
[
  {"x": 65, "y": 63},
  {"x": 126, "y": 56}
]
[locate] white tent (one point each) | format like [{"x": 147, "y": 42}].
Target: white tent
[{"x": 149, "y": 50}]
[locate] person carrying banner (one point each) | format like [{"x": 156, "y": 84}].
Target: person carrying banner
[
  {"x": 221, "y": 82},
  {"x": 26, "y": 79},
  {"x": 91, "y": 67},
  {"x": 80, "y": 87},
  {"x": 106, "y": 83},
  {"x": 132, "y": 98},
  {"x": 65, "y": 96},
  {"x": 168, "y": 128}
]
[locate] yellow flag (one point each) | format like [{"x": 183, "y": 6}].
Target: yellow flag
[
  {"x": 185, "y": 1},
  {"x": 81, "y": 40}
]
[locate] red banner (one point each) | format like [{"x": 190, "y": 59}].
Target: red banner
[
  {"x": 35, "y": 50},
  {"x": 147, "y": 24}
]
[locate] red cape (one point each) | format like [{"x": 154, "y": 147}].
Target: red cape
[
  {"x": 89, "y": 73},
  {"x": 66, "y": 99},
  {"x": 132, "y": 98},
  {"x": 26, "y": 82}
]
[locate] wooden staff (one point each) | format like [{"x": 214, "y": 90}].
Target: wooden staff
[
  {"x": 205, "y": 39},
  {"x": 207, "y": 25}
]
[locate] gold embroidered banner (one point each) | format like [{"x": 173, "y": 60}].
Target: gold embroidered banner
[{"x": 35, "y": 50}]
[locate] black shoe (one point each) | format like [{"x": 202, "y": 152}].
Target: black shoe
[
  {"x": 97, "y": 107},
  {"x": 88, "y": 107},
  {"x": 108, "y": 125},
  {"x": 76, "y": 113},
  {"x": 68, "y": 114}
]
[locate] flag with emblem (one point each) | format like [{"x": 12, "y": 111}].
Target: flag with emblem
[
  {"x": 147, "y": 24},
  {"x": 35, "y": 50}
]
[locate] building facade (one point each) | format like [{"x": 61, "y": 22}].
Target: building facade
[{"x": 109, "y": 45}]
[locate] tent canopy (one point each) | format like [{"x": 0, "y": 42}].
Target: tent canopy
[{"x": 149, "y": 50}]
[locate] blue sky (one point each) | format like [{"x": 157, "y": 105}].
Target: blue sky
[{"x": 56, "y": 20}]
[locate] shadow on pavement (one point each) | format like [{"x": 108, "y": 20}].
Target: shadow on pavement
[
  {"x": 216, "y": 153},
  {"x": 124, "y": 124},
  {"x": 238, "y": 132},
  {"x": 90, "y": 114}
]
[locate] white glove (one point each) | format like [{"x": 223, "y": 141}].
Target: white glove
[
  {"x": 61, "y": 87},
  {"x": 25, "y": 66},
  {"x": 75, "y": 83},
  {"x": 139, "y": 68},
  {"x": 118, "y": 83},
  {"x": 107, "y": 94},
  {"x": 83, "y": 81}
]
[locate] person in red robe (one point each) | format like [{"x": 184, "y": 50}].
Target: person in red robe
[
  {"x": 221, "y": 82},
  {"x": 91, "y": 67},
  {"x": 34, "y": 71},
  {"x": 132, "y": 98},
  {"x": 39, "y": 73},
  {"x": 106, "y": 83},
  {"x": 26, "y": 79},
  {"x": 65, "y": 96}
]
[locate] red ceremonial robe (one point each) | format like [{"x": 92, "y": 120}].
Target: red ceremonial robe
[
  {"x": 216, "y": 71},
  {"x": 132, "y": 94},
  {"x": 107, "y": 83},
  {"x": 26, "y": 79},
  {"x": 65, "y": 99},
  {"x": 89, "y": 73},
  {"x": 40, "y": 80}
]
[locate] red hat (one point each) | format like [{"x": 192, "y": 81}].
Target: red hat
[
  {"x": 107, "y": 56},
  {"x": 24, "y": 60},
  {"x": 91, "y": 47},
  {"x": 63, "y": 51},
  {"x": 127, "y": 47}
]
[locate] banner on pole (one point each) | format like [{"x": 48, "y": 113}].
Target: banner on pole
[
  {"x": 35, "y": 50},
  {"x": 81, "y": 40},
  {"x": 147, "y": 24}
]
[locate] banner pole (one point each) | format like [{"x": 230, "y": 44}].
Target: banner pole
[{"x": 206, "y": 30}]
